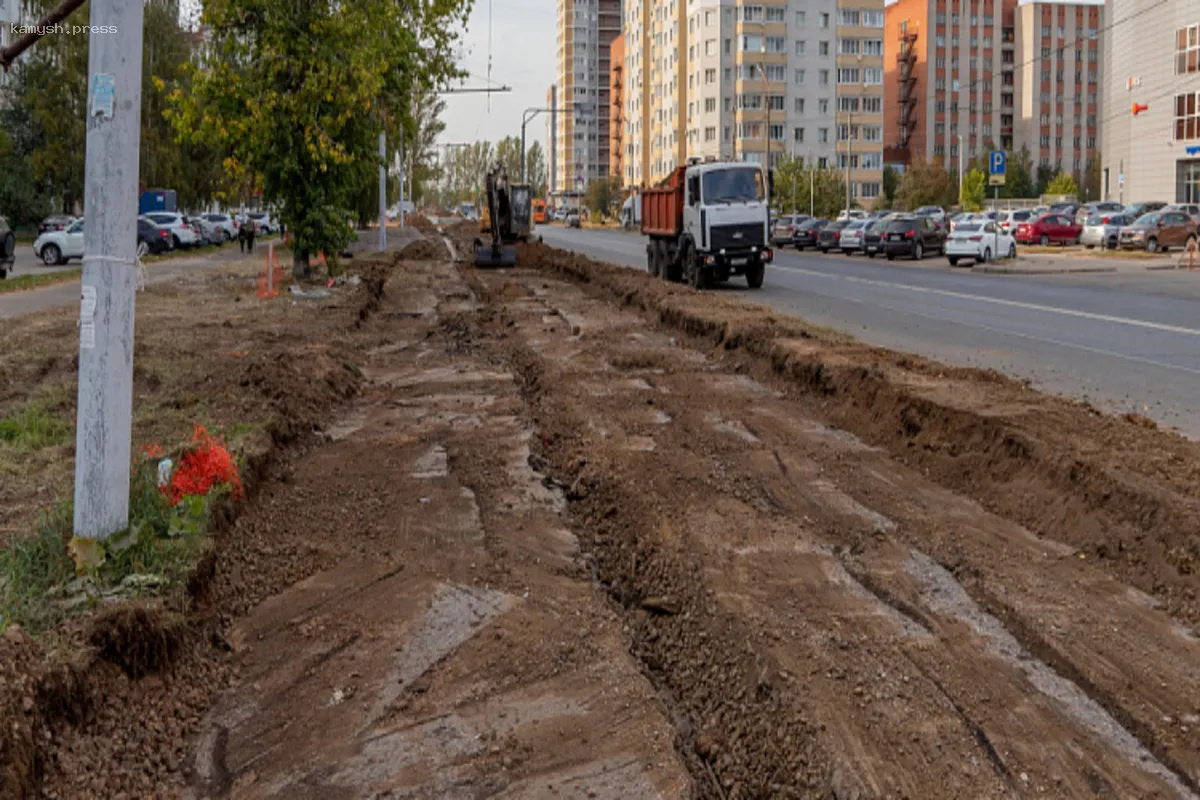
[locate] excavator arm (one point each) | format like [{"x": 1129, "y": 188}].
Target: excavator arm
[{"x": 499, "y": 207}]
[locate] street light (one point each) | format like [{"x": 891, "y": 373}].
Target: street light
[
  {"x": 862, "y": 84},
  {"x": 529, "y": 114}
]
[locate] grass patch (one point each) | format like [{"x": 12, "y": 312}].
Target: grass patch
[
  {"x": 33, "y": 428},
  {"x": 23, "y": 282},
  {"x": 41, "y": 584}
]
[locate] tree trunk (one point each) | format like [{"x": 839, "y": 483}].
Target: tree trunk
[{"x": 300, "y": 267}]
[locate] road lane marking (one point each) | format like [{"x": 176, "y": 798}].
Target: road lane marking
[{"x": 1070, "y": 312}]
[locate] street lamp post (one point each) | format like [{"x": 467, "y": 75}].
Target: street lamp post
[{"x": 529, "y": 114}]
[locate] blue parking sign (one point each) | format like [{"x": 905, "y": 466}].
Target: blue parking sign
[{"x": 997, "y": 162}]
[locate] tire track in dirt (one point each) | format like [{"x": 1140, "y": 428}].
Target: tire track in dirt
[{"x": 702, "y": 486}]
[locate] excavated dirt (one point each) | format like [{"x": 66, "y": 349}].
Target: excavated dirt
[{"x": 585, "y": 534}]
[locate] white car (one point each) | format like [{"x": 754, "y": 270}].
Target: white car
[
  {"x": 851, "y": 239},
  {"x": 265, "y": 222},
  {"x": 223, "y": 226},
  {"x": 980, "y": 241},
  {"x": 1009, "y": 220},
  {"x": 182, "y": 234},
  {"x": 854, "y": 213},
  {"x": 57, "y": 247}
]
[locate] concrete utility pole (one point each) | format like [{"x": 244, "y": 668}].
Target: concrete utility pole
[
  {"x": 960, "y": 169},
  {"x": 105, "y": 402},
  {"x": 382, "y": 191}
]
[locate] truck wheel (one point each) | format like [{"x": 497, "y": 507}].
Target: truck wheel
[
  {"x": 671, "y": 267},
  {"x": 697, "y": 275},
  {"x": 755, "y": 274},
  {"x": 652, "y": 260}
]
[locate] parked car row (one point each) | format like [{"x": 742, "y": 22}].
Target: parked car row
[
  {"x": 1130, "y": 228},
  {"x": 896, "y": 235}
]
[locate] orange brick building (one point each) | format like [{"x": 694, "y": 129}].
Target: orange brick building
[{"x": 616, "y": 108}]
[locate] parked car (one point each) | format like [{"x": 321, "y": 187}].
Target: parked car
[
  {"x": 1009, "y": 220},
  {"x": 1136, "y": 210},
  {"x": 965, "y": 216},
  {"x": 1098, "y": 207},
  {"x": 572, "y": 219},
  {"x": 851, "y": 240},
  {"x": 1104, "y": 230},
  {"x": 8, "y": 247},
  {"x": 1066, "y": 208},
  {"x": 979, "y": 241},
  {"x": 936, "y": 213},
  {"x": 880, "y": 213},
  {"x": 223, "y": 225},
  {"x": 783, "y": 231},
  {"x": 1191, "y": 209},
  {"x": 56, "y": 222},
  {"x": 830, "y": 236},
  {"x": 808, "y": 234},
  {"x": 59, "y": 247},
  {"x": 264, "y": 221},
  {"x": 872, "y": 238},
  {"x": 151, "y": 238},
  {"x": 916, "y": 236},
  {"x": 851, "y": 214},
  {"x": 1159, "y": 231},
  {"x": 1049, "y": 228},
  {"x": 182, "y": 234},
  {"x": 200, "y": 229}
]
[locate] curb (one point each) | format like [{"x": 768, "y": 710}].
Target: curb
[{"x": 1048, "y": 271}]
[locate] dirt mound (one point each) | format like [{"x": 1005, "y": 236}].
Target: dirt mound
[
  {"x": 138, "y": 639},
  {"x": 421, "y": 223},
  {"x": 427, "y": 248},
  {"x": 1113, "y": 487}
]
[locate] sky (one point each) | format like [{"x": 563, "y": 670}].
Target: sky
[{"x": 523, "y": 57}]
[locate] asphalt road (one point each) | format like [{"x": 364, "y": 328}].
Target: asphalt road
[{"x": 1124, "y": 342}]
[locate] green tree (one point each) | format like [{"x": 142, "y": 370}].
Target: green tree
[
  {"x": 508, "y": 153},
  {"x": 421, "y": 133},
  {"x": 789, "y": 175},
  {"x": 600, "y": 197},
  {"x": 891, "y": 184},
  {"x": 1018, "y": 182},
  {"x": 1062, "y": 184},
  {"x": 974, "y": 190},
  {"x": 1045, "y": 174},
  {"x": 535, "y": 167},
  {"x": 926, "y": 183},
  {"x": 298, "y": 93}
]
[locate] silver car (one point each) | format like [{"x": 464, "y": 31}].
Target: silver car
[
  {"x": 851, "y": 240},
  {"x": 1103, "y": 230}
]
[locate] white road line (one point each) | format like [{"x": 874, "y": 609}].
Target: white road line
[{"x": 1069, "y": 312}]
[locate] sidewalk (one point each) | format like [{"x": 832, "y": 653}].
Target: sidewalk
[{"x": 1080, "y": 262}]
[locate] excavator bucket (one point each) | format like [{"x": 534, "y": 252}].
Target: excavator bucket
[{"x": 487, "y": 255}]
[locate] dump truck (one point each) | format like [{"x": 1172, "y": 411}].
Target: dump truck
[{"x": 706, "y": 222}]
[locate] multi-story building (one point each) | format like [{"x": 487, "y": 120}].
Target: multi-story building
[
  {"x": 1152, "y": 61},
  {"x": 579, "y": 145},
  {"x": 860, "y": 89},
  {"x": 616, "y": 108},
  {"x": 755, "y": 81},
  {"x": 990, "y": 74},
  {"x": 1058, "y": 82}
]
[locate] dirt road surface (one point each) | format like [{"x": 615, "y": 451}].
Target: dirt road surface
[{"x": 582, "y": 534}]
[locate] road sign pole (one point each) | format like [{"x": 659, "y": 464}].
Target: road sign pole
[
  {"x": 996, "y": 224},
  {"x": 105, "y": 400}
]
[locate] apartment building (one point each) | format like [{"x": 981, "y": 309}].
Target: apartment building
[
  {"x": 616, "y": 108},
  {"x": 1151, "y": 59},
  {"x": 860, "y": 90},
  {"x": 1058, "y": 75},
  {"x": 990, "y": 74},
  {"x": 579, "y": 132},
  {"x": 754, "y": 81}
]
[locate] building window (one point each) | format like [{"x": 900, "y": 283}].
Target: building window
[
  {"x": 848, "y": 75},
  {"x": 752, "y": 43},
  {"x": 939, "y": 106},
  {"x": 776, "y": 44},
  {"x": 750, "y": 130},
  {"x": 824, "y": 21},
  {"x": 939, "y": 149},
  {"x": 849, "y": 47},
  {"x": 751, "y": 13},
  {"x": 872, "y": 105},
  {"x": 872, "y": 161},
  {"x": 823, "y": 107},
  {"x": 870, "y": 191},
  {"x": 775, "y": 102},
  {"x": 776, "y": 72},
  {"x": 776, "y": 13},
  {"x": 822, "y": 163},
  {"x": 940, "y": 62},
  {"x": 939, "y": 84},
  {"x": 941, "y": 18},
  {"x": 776, "y": 133},
  {"x": 849, "y": 17},
  {"x": 872, "y": 133},
  {"x": 847, "y": 133},
  {"x": 752, "y": 102},
  {"x": 710, "y": 76},
  {"x": 799, "y": 19},
  {"x": 728, "y": 74},
  {"x": 710, "y": 18},
  {"x": 800, "y": 47},
  {"x": 798, "y": 105},
  {"x": 1058, "y": 142},
  {"x": 710, "y": 134},
  {"x": 822, "y": 134},
  {"x": 799, "y": 77},
  {"x": 941, "y": 41},
  {"x": 823, "y": 77},
  {"x": 798, "y": 134},
  {"x": 872, "y": 19},
  {"x": 710, "y": 105},
  {"x": 710, "y": 47},
  {"x": 848, "y": 104},
  {"x": 1045, "y": 31},
  {"x": 1187, "y": 116},
  {"x": 939, "y": 129},
  {"x": 728, "y": 102},
  {"x": 872, "y": 47},
  {"x": 1187, "y": 50},
  {"x": 873, "y": 76},
  {"x": 823, "y": 48},
  {"x": 726, "y": 133}
]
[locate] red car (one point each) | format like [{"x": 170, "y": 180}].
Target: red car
[{"x": 1048, "y": 228}]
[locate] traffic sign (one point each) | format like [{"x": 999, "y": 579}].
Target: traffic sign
[
  {"x": 997, "y": 162},
  {"x": 995, "y": 180}
]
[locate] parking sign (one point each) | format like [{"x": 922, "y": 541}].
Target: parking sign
[{"x": 997, "y": 166}]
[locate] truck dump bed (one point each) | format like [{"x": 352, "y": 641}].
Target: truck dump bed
[{"x": 662, "y": 206}]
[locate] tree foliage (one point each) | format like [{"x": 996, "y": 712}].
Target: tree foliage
[
  {"x": 891, "y": 184},
  {"x": 800, "y": 187},
  {"x": 1018, "y": 181},
  {"x": 974, "y": 190},
  {"x": 535, "y": 169},
  {"x": 1062, "y": 184},
  {"x": 1045, "y": 174},
  {"x": 466, "y": 171},
  {"x": 298, "y": 93},
  {"x": 926, "y": 183},
  {"x": 420, "y": 142},
  {"x": 601, "y": 197},
  {"x": 508, "y": 153}
]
